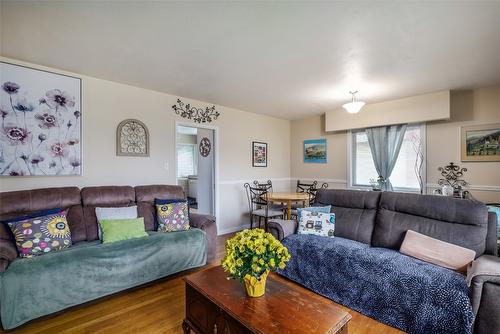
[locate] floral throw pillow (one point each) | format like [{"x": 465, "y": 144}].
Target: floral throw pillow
[
  {"x": 172, "y": 217},
  {"x": 40, "y": 235},
  {"x": 317, "y": 223}
]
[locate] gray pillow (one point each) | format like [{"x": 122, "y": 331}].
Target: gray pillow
[{"x": 127, "y": 212}]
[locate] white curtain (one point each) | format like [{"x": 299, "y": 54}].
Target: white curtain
[{"x": 385, "y": 143}]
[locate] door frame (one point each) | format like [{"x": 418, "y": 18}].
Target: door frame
[{"x": 216, "y": 158}]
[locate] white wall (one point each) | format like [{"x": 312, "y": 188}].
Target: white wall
[
  {"x": 106, "y": 103},
  {"x": 480, "y": 106}
]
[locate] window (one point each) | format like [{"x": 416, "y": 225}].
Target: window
[
  {"x": 186, "y": 160},
  {"x": 403, "y": 176}
]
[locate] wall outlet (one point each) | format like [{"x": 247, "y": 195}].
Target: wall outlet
[{"x": 165, "y": 165}]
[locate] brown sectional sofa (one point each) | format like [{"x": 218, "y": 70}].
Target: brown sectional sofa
[{"x": 168, "y": 257}]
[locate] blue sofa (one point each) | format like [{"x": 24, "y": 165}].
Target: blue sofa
[{"x": 362, "y": 268}]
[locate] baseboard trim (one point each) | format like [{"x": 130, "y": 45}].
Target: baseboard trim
[{"x": 233, "y": 229}]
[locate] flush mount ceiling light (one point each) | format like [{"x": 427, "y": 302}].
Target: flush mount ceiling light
[{"x": 354, "y": 106}]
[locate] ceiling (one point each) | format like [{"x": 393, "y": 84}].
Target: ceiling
[{"x": 285, "y": 59}]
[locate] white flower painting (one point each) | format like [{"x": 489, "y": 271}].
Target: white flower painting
[{"x": 41, "y": 116}]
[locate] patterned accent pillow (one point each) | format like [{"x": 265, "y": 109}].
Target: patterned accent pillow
[
  {"x": 172, "y": 217},
  {"x": 324, "y": 209},
  {"x": 39, "y": 235},
  {"x": 317, "y": 223}
]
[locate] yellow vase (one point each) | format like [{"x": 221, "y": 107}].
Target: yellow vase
[{"x": 256, "y": 287}]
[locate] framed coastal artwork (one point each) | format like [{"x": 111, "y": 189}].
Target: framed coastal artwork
[
  {"x": 315, "y": 151},
  {"x": 480, "y": 142},
  {"x": 41, "y": 126},
  {"x": 259, "y": 154}
]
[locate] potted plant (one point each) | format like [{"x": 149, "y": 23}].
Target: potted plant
[
  {"x": 250, "y": 255},
  {"x": 378, "y": 184}
]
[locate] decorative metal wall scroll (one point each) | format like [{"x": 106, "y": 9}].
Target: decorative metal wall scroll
[
  {"x": 132, "y": 138},
  {"x": 196, "y": 114},
  {"x": 452, "y": 177},
  {"x": 205, "y": 147}
]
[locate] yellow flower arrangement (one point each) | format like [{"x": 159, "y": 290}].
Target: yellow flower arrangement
[{"x": 251, "y": 253}]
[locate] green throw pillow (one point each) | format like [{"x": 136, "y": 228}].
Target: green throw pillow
[{"x": 122, "y": 229}]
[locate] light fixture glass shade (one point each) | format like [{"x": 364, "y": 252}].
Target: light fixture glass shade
[{"x": 353, "y": 107}]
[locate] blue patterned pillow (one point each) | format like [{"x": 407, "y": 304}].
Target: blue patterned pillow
[
  {"x": 317, "y": 223},
  {"x": 173, "y": 217},
  {"x": 324, "y": 209},
  {"x": 39, "y": 235}
]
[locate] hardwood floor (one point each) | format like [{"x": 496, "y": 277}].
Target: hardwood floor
[{"x": 155, "y": 308}]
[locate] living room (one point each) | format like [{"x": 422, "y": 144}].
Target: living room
[{"x": 266, "y": 79}]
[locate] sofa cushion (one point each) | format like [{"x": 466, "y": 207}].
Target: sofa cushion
[
  {"x": 108, "y": 196},
  {"x": 381, "y": 283},
  {"x": 127, "y": 212},
  {"x": 355, "y": 212},
  {"x": 172, "y": 217},
  {"x": 325, "y": 209},
  {"x": 91, "y": 270},
  {"x": 25, "y": 202},
  {"x": 437, "y": 252},
  {"x": 40, "y": 235},
  {"x": 317, "y": 223},
  {"x": 458, "y": 221},
  {"x": 122, "y": 229},
  {"x": 145, "y": 197}
]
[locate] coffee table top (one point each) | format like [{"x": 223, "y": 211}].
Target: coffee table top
[{"x": 286, "y": 307}]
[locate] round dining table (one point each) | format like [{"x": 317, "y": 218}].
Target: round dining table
[{"x": 288, "y": 198}]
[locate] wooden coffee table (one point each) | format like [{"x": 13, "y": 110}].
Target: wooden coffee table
[{"x": 217, "y": 305}]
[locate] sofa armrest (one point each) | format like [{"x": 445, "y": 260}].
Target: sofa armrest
[
  {"x": 207, "y": 224},
  {"x": 280, "y": 228},
  {"x": 485, "y": 269},
  {"x": 8, "y": 253},
  {"x": 484, "y": 279}
]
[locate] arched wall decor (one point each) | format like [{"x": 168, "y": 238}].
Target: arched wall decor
[{"x": 132, "y": 139}]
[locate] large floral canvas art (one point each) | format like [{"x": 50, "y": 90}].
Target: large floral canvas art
[{"x": 40, "y": 130}]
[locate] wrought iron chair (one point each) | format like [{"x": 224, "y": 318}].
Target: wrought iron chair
[
  {"x": 309, "y": 188},
  {"x": 258, "y": 205},
  {"x": 269, "y": 187}
]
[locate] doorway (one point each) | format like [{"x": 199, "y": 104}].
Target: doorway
[{"x": 195, "y": 166}]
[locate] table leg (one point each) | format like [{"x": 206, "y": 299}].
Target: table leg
[
  {"x": 289, "y": 210},
  {"x": 185, "y": 327}
]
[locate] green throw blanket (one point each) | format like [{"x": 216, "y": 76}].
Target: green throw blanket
[{"x": 34, "y": 287}]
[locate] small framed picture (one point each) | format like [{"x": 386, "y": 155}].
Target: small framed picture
[
  {"x": 480, "y": 142},
  {"x": 315, "y": 151},
  {"x": 259, "y": 154}
]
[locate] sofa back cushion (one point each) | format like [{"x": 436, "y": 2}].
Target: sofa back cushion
[
  {"x": 19, "y": 203},
  {"x": 107, "y": 196},
  {"x": 355, "y": 212},
  {"x": 457, "y": 221},
  {"x": 145, "y": 199}
]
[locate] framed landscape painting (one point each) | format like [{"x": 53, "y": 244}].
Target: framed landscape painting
[
  {"x": 480, "y": 142},
  {"x": 259, "y": 154},
  {"x": 40, "y": 130},
  {"x": 315, "y": 151}
]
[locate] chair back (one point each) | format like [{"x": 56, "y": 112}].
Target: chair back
[
  {"x": 310, "y": 188},
  {"x": 256, "y": 196},
  {"x": 264, "y": 185}
]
